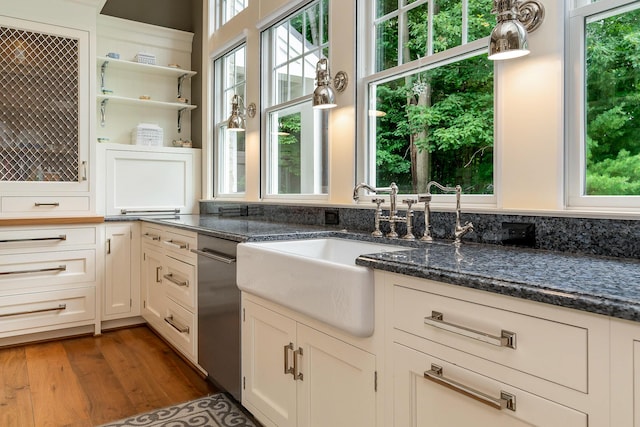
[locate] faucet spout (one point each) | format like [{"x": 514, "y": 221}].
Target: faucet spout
[{"x": 356, "y": 190}]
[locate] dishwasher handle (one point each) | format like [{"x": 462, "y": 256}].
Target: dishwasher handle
[{"x": 217, "y": 256}]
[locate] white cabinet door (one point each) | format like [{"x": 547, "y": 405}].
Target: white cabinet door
[
  {"x": 118, "y": 298},
  {"x": 337, "y": 387},
  {"x": 152, "y": 290},
  {"x": 419, "y": 402},
  {"x": 268, "y": 341}
]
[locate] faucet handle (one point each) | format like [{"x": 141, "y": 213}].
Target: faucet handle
[
  {"x": 378, "y": 201},
  {"x": 409, "y": 202},
  {"x": 424, "y": 198}
]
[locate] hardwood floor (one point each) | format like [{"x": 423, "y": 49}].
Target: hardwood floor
[{"x": 90, "y": 381}]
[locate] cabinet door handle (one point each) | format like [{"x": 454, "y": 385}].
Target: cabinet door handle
[
  {"x": 35, "y": 239},
  {"x": 37, "y": 270},
  {"x": 506, "y": 338},
  {"x": 170, "y": 278},
  {"x": 297, "y": 375},
  {"x": 287, "y": 368},
  {"x": 176, "y": 326},
  {"x": 158, "y": 280},
  {"x": 38, "y": 204},
  {"x": 84, "y": 171},
  {"x": 505, "y": 401},
  {"x": 60, "y": 307},
  {"x": 176, "y": 244},
  {"x": 108, "y": 246}
]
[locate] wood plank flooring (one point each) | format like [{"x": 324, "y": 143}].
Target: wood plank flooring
[{"x": 89, "y": 381}]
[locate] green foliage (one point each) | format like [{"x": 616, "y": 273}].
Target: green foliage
[
  {"x": 619, "y": 176},
  {"x": 613, "y": 105},
  {"x": 446, "y": 111}
]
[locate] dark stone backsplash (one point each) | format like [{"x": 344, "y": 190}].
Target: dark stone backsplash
[{"x": 606, "y": 237}]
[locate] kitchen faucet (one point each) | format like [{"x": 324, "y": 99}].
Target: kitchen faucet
[
  {"x": 393, "y": 217},
  {"x": 459, "y": 230}
]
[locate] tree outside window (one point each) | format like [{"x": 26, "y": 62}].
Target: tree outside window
[
  {"x": 612, "y": 69},
  {"x": 435, "y": 121}
]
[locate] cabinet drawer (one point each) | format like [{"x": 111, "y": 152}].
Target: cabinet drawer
[
  {"x": 42, "y": 311},
  {"x": 545, "y": 348},
  {"x": 179, "y": 245},
  {"x": 179, "y": 279},
  {"x": 151, "y": 235},
  {"x": 180, "y": 328},
  {"x": 45, "y": 269},
  {"x": 471, "y": 400},
  {"x": 46, "y": 237},
  {"x": 44, "y": 205}
]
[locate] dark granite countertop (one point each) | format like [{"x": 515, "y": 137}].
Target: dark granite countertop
[{"x": 602, "y": 285}]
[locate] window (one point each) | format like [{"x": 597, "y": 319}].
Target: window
[
  {"x": 230, "y": 148},
  {"x": 295, "y": 138},
  {"x": 604, "y": 124},
  {"x": 227, "y": 9},
  {"x": 430, "y": 95}
]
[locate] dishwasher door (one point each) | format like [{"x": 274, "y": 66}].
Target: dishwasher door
[{"x": 219, "y": 313}]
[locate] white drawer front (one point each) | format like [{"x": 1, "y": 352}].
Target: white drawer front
[
  {"x": 179, "y": 279},
  {"x": 45, "y": 205},
  {"x": 21, "y": 272},
  {"x": 179, "y": 245},
  {"x": 46, "y": 237},
  {"x": 421, "y": 402},
  {"x": 542, "y": 345},
  {"x": 151, "y": 235},
  {"x": 180, "y": 328},
  {"x": 46, "y": 310}
]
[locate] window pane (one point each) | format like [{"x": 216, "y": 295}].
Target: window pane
[
  {"x": 387, "y": 44},
  {"x": 295, "y": 44},
  {"x": 447, "y": 25},
  {"x": 613, "y": 105},
  {"x": 385, "y": 6},
  {"x": 481, "y": 21},
  {"x": 416, "y": 38},
  {"x": 436, "y": 124},
  {"x": 230, "y": 147},
  {"x": 297, "y": 151},
  {"x": 231, "y": 8},
  {"x": 232, "y": 161}
]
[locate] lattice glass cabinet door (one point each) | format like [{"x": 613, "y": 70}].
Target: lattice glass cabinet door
[{"x": 43, "y": 105}]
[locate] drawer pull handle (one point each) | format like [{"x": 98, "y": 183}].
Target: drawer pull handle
[
  {"x": 60, "y": 307},
  {"x": 158, "y": 280},
  {"x": 176, "y": 326},
  {"x": 38, "y": 204},
  {"x": 287, "y": 368},
  {"x": 297, "y": 375},
  {"x": 216, "y": 256},
  {"x": 150, "y": 236},
  {"x": 506, "y": 338},
  {"x": 35, "y": 239},
  {"x": 170, "y": 278},
  {"x": 505, "y": 401},
  {"x": 177, "y": 244},
  {"x": 38, "y": 270},
  {"x": 149, "y": 211}
]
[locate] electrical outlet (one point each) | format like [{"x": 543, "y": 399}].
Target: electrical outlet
[
  {"x": 331, "y": 217},
  {"x": 519, "y": 234}
]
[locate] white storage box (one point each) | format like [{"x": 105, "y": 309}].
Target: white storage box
[
  {"x": 146, "y": 58},
  {"x": 147, "y": 134}
]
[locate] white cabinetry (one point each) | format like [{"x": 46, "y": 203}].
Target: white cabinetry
[
  {"x": 47, "y": 279},
  {"x": 625, "y": 373},
  {"x": 297, "y": 375},
  {"x": 457, "y": 355},
  {"x": 130, "y": 93},
  {"x": 45, "y": 119},
  {"x": 121, "y": 297},
  {"x": 137, "y": 180},
  {"x": 169, "y": 285}
]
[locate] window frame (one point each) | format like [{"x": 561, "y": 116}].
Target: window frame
[
  {"x": 365, "y": 160},
  {"x": 220, "y": 115},
  {"x": 575, "y": 111},
  {"x": 270, "y": 105}
]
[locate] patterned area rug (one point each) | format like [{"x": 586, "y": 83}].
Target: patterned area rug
[{"x": 213, "y": 411}]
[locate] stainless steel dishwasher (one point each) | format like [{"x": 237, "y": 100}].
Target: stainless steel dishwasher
[{"x": 219, "y": 312}]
